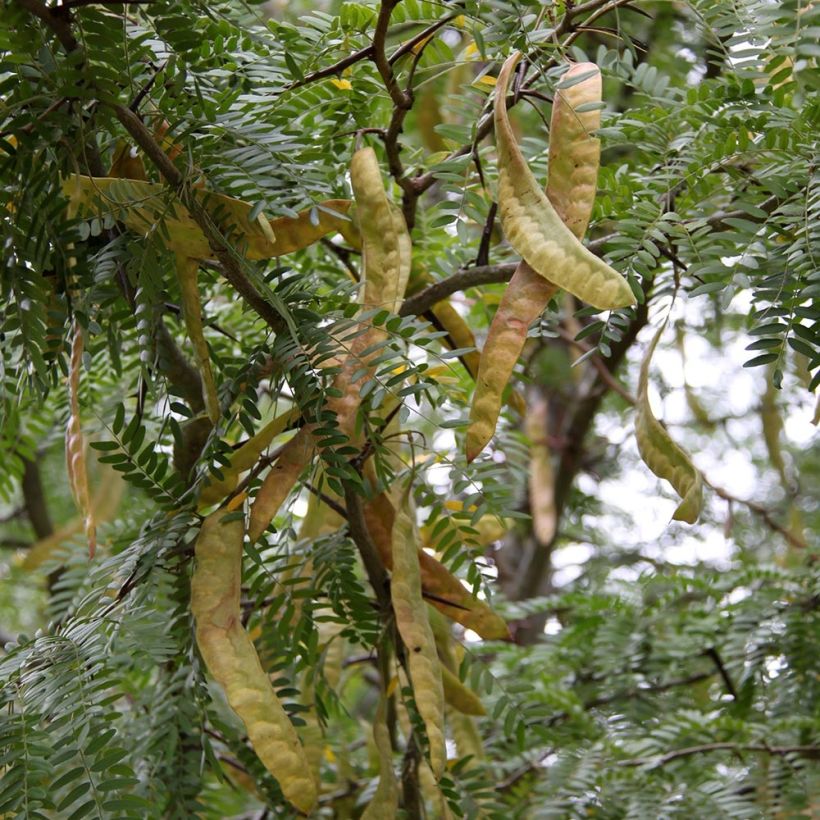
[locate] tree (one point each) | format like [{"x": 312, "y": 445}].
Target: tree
[{"x": 250, "y": 254}]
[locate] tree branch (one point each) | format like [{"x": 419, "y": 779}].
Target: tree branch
[{"x": 810, "y": 752}]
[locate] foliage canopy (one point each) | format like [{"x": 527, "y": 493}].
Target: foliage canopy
[{"x": 188, "y": 289}]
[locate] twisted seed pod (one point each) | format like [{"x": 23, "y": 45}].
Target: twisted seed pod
[
  {"x": 245, "y": 457},
  {"x": 536, "y": 231},
  {"x": 386, "y": 244},
  {"x": 192, "y": 313},
  {"x": 416, "y": 635},
  {"x": 574, "y": 157},
  {"x": 661, "y": 454},
  {"x": 385, "y": 802},
  {"x": 467, "y": 737},
  {"x": 142, "y": 206},
  {"x": 280, "y": 480},
  {"x": 231, "y": 658},
  {"x": 75, "y": 442},
  {"x": 541, "y": 478},
  {"x": 443, "y": 590}
]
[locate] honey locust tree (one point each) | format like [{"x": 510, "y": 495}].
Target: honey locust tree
[{"x": 406, "y": 409}]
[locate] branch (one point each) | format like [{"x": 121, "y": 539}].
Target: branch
[
  {"x": 400, "y": 99},
  {"x": 764, "y": 513},
  {"x": 337, "y": 68},
  {"x": 810, "y": 752},
  {"x": 367, "y": 549}
]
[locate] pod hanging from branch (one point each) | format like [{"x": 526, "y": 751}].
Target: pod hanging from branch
[
  {"x": 574, "y": 157},
  {"x": 231, "y": 658},
  {"x": 660, "y": 453},
  {"x": 416, "y": 634},
  {"x": 536, "y": 231}
]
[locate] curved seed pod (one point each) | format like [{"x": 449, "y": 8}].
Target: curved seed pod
[
  {"x": 142, "y": 206},
  {"x": 541, "y": 478},
  {"x": 416, "y": 634},
  {"x": 245, "y": 457},
  {"x": 459, "y": 696},
  {"x": 75, "y": 442},
  {"x": 522, "y": 303},
  {"x": 459, "y": 332},
  {"x": 385, "y": 240},
  {"x": 536, "y": 231},
  {"x": 280, "y": 480},
  {"x": 574, "y": 157},
  {"x": 385, "y": 802},
  {"x": 192, "y": 313},
  {"x": 231, "y": 658},
  {"x": 661, "y": 454},
  {"x": 772, "y": 425},
  {"x": 443, "y": 590}
]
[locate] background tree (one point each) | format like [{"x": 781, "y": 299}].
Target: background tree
[{"x": 595, "y": 659}]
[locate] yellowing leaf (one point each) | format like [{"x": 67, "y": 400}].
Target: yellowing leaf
[
  {"x": 536, "y": 231},
  {"x": 342, "y": 85},
  {"x": 486, "y": 79},
  {"x": 661, "y": 454},
  {"x": 152, "y": 209}
]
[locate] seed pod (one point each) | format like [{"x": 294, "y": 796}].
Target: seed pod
[
  {"x": 75, "y": 442},
  {"x": 385, "y": 802},
  {"x": 192, "y": 313},
  {"x": 541, "y": 478},
  {"x": 414, "y": 627},
  {"x": 523, "y": 302},
  {"x": 467, "y": 738},
  {"x": 245, "y": 457},
  {"x": 386, "y": 244},
  {"x": 459, "y": 696},
  {"x": 280, "y": 480},
  {"x": 459, "y": 332},
  {"x": 661, "y": 454},
  {"x": 231, "y": 658},
  {"x": 443, "y": 590},
  {"x": 536, "y": 231},
  {"x": 772, "y": 425},
  {"x": 143, "y": 206},
  {"x": 574, "y": 157}
]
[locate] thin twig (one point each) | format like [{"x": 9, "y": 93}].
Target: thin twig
[{"x": 811, "y": 752}]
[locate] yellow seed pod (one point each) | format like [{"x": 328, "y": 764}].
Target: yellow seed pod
[
  {"x": 460, "y": 697},
  {"x": 280, "y": 480},
  {"x": 386, "y": 246},
  {"x": 523, "y": 302},
  {"x": 541, "y": 478},
  {"x": 75, "y": 442},
  {"x": 231, "y": 658},
  {"x": 660, "y": 453},
  {"x": 459, "y": 332},
  {"x": 244, "y": 457},
  {"x": 772, "y": 425},
  {"x": 385, "y": 802},
  {"x": 386, "y": 243},
  {"x": 192, "y": 313},
  {"x": 416, "y": 634},
  {"x": 536, "y": 231},
  {"x": 574, "y": 158},
  {"x": 143, "y": 206}
]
